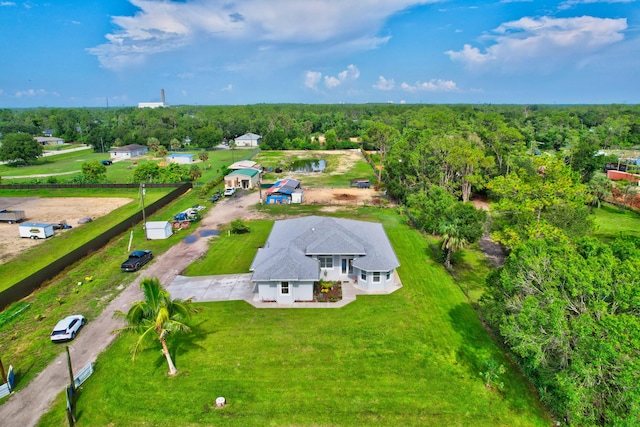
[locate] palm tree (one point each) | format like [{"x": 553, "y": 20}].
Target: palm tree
[
  {"x": 155, "y": 317},
  {"x": 452, "y": 240}
]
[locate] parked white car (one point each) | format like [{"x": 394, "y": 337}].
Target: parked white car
[
  {"x": 68, "y": 328},
  {"x": 230, "y": 191}
]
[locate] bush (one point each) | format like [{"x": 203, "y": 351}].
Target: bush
[{"x": 238, "y": 226}]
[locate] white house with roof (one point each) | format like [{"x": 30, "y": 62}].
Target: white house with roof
[
  {"x": 248, "y": 140},
  {"x": 301, "y": 251},
  {"x": 128, "y": 151},
  {"x": 49, "y": 140},
  {"x": 180, "y": 158},
  {"x": 247, "y": 179},
  {"x": 243, "y": 164}
]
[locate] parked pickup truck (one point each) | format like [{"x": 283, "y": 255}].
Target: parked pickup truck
[
  {"x": 360, "y": 183},
  {"x": 11, "y": 216}
]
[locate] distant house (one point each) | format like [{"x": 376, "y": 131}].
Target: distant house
[
  {"x": 47, "y": 132},
  {"x": 248, "y": 140},
  {"x": 128, "y": 151},
  {"x": 151, "y": 105},
  {"x": 243, "y": 178},
  {"x": 243, "y": 164},
  {"x": 284, "y": 191},
  {"x": 181, "y": 158},
  {"x": 49, "y": 140},
  {"x": 301, "y": 251}
]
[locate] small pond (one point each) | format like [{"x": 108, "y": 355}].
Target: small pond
[{"x": 308, "y": 165}]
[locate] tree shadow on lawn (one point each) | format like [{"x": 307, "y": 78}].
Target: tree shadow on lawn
[
  {"x": 181, "y": 343},
  {"x": 472, "y": 353},
  {"x": 480, "y": 344}
]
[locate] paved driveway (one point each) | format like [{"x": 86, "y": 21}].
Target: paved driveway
[{"x": 224, "y": 287}]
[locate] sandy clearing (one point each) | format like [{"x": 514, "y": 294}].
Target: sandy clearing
[
  {"x": 51, "y": 210},
  {"x": 341, "y": 196}
]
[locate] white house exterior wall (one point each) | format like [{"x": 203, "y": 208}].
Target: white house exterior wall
[
  {"x": 370, "y": 285},
  {"x": 298, "y": 291}
]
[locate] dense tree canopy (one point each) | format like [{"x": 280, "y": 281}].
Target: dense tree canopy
[
  {"x": 20, "y": 147},
  {"x": 570, "y": 311}
]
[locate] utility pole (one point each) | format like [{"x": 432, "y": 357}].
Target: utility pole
[{"x": 144, "y": 218}]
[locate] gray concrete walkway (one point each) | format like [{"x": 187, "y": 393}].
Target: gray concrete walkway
[{"x": 238, "y": 287}]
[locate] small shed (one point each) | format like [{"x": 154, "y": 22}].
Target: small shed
[{"x": 157, "y": 230}]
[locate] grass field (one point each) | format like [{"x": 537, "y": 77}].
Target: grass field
[
  {"x": 411, "y": 358},
  {"x": 118, "y": 172},
  {"x": 611, "y": 221},
  {"x": 24, "y": 341}
]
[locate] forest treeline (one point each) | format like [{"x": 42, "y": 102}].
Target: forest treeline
[{"x": 565, "y": 304}]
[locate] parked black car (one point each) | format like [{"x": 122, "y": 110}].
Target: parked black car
[
  {"x": 106, "y": 162},
  {"x": 136, "y": 260},
  {"x": 215, "y": 197}
]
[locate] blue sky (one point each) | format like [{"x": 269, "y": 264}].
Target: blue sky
[{"x": 92, "y": 53}]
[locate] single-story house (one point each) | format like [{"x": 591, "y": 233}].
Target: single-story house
[
  {"x": 128, "y": 151},
  {"x": 181, "y": 158},
  {"x": 248, "y": 140},
  {"x": 243, "y": 164},
  {"x": 284, "y": 191},
  {"x": 49, "y": 140},
  {"x": 247, "y": 179},
  {"x": 301, "y": 251}
]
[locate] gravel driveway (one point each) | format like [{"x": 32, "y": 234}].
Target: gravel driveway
[{"x": 26, "y": 406}]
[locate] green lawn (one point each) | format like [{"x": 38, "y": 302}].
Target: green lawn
[
  {"x": 236, "y": 251},
  {"x": 411, "y": 358},
  {"x": 611, "y": 221}
]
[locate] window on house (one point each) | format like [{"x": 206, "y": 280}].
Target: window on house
[
  {"x": 376, "y": 276},
  {"x": 284, "y": 287},
  {"x": 363, "y": 275},
  {"x": 388, "y": 275},
  {"x": 326, "y": 261}
]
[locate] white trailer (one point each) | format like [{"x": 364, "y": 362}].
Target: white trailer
[{"x": 35, "y": 230}]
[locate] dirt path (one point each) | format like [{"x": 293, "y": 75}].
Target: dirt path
[
  {"x": 26, "y": 406},
  {"x": 492, "y": 250}
]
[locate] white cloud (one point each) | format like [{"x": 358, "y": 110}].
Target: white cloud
[
  {"x": 542, "y": 42},
  {"x": 331, "y": 82},
  {"x": 34, "y": 92},
  {"x": 433, "y": 85},
  {"x": 384, "y": 84},
  {"x": 161, "y": 26},
  {"x": 227, "y": 88},
  {"x": 7, "y": 3},
  {"x": 312, "y": 79},
  {"x": 568, "y": 4},
  {"x": 351, "y": 73}
]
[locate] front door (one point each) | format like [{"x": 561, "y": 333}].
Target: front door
[{"x": 347, "y": 266}]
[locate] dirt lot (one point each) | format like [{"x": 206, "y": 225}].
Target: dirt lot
[
  {"x": 50, "y": 211},
  {"x": 341, "y": 196}
]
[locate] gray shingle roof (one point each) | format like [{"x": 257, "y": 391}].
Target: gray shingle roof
[{"x": 286, "y": 255}]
